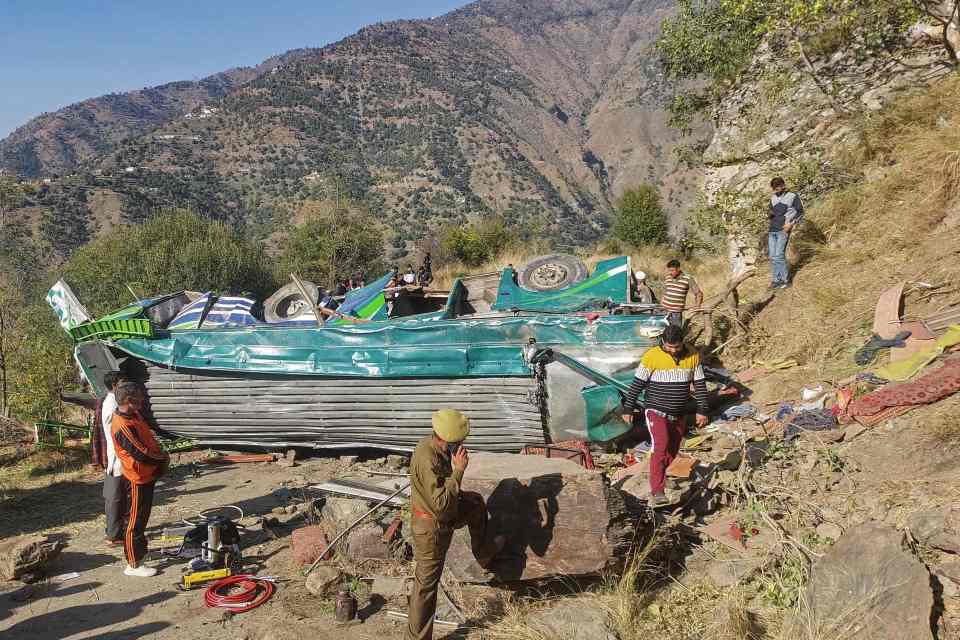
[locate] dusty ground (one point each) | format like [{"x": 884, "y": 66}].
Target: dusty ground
[{"x": 103, "y": 603}]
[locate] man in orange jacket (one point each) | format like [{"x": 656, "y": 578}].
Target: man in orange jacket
[{"x": 143, "y": 462}]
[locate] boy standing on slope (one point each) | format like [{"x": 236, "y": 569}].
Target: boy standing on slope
[
  {"x": 143, "y": 461},
  {"x": 666, "y": 373}
]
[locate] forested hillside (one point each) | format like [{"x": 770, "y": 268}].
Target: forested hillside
[{"x": 541, "y": 113}]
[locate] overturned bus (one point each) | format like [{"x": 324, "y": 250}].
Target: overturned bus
[{"x": 538, "y": 359}]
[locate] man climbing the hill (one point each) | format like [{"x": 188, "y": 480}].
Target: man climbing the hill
[
  {"x": 676, "y": 286},
  {"x": 143, "y": 461},
  {"x": 786, "y": 212},
  {"x": 665, "y": 372},
  {"x": 439, "y": 507}
]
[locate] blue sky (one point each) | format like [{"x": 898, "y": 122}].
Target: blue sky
[{"x": 55, "y": 53}]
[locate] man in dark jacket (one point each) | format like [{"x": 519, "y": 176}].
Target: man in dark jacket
[{"x": 786, "y": 212}]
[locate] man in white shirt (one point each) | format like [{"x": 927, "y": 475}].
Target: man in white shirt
[{"x": 114, "y": 487}]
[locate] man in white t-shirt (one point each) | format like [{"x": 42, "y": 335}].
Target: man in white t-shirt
[{"x": 114, "y": 487}]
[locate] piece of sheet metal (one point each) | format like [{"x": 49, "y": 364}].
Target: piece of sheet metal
[
  {"x": 355, "y": 489},
  {"x": 286, "y": 411}
]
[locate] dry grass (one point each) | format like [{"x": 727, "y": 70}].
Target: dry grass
[{"x": 865, "y": 237}]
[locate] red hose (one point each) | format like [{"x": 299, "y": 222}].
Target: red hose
[{"x": 238, "y": 593}]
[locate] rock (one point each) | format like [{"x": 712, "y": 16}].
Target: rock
[
  {"x": 827, "y": 436},
  {"x": 307, "y": 543},
  {"x": 286, "y": 462},
  {"x": 557, "y": 517},
  {"x": 325, "y": 580},
  {"x": 389, "y": 587},
  {"x": 27, "y": 556},
  {"x": 935, "y": 529},
  {"x": 366, "y": 541},
  {"x": 291, "y": 454},
  {"x": 397, "y": 462},
  {"x": 867, "y": 587},
  {"x": 340, "y": 513},
  {"x": 349, "y": 459},
  {"x": 950, "y": 568},
  {"x": 949, "y": 588},
  {"x": 571, "y": 620},
  {"x": 829, "y": 530},
  {"x": 727, "y": 573}
]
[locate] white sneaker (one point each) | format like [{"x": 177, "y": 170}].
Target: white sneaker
[{"x": 143, "y": 571}]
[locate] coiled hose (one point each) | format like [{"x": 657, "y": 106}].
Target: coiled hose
[{"x": 238, "y": 593}]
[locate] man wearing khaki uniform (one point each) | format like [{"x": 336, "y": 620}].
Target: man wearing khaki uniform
[{"x": 439, "y": 507}]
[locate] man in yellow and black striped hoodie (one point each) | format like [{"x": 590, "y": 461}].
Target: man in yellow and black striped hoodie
[{"x": 666, "y": 372}]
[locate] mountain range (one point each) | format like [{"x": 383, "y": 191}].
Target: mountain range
[{"x": 540, "y": 111}]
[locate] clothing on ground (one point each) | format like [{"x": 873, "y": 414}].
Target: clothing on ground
[
  {"x": 928, "y": 388},
  {"x": 742, "y": 410},
  {"x": 675, "y": 291},
  {"x": 785, "y": 208},
  {"x": 666, "y": 434},
  {"x": 666, "y": 379},
  {"x": 138, "y": 450},
  {"x": 816, "y": 420},
  {"x": 777, "y": 248},
  {"x": 115, "y": 505},
  {"x": 140, "y": 504},
  {"x": 906, "y": 369},
  {"x": 872, "y": 348}
]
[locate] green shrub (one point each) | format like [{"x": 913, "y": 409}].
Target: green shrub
[
  {"x": 476, "y": 243},
  {"x": 326, "y": 247},
  {"x": 173, "y": 251},
  {"x": 640, "y": 219}
]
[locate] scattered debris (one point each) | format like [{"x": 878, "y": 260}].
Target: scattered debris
[
  {"x": 575, "y": 450},
  {"x": 64, "y": 577},
  {"x": 399, "y": 614},
  {"x": 349, "y": 459},
  {"x": 682, "y": 467},
  {"x": 881, "y": 595},
  {"x": 239, "y": 458},
  {"x": 886, "y": 318}
]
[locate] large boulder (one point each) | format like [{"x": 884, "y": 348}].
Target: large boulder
[
  {"x": 558, "y": 518},
  {"x": 868, "y": 587}
]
